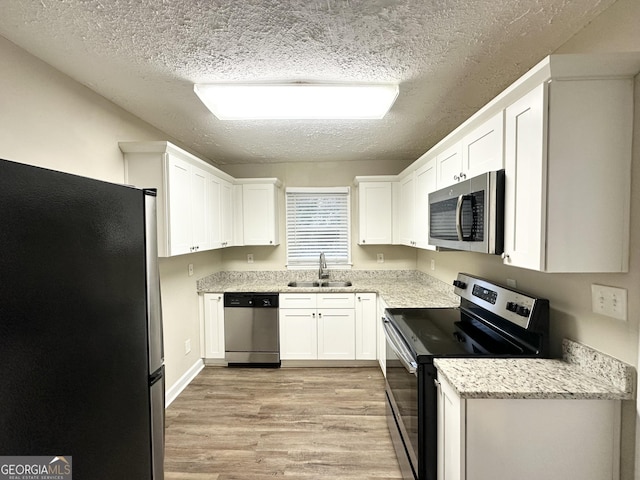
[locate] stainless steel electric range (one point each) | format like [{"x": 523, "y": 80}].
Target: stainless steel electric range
[{"x": 492, "y": 320}]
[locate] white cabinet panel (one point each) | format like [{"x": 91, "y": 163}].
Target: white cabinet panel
[
  {"x": 260, "y": 214},
  {"x": 298, "y": 334},
  {"x": 375, "y": 213},
  {"x": 482, "y": 149},
  {"x": 449, "y": 165},
  {"x": 527, "y": 439},
  {"x": 567, "y": 164},
  {"x": 425, "y": 184},
  {"x": 336, "y": 334},
  {"x": 366, "y": 326},
  {"x": 407, "y": 211},
  {"x": 214, "y": 325}
]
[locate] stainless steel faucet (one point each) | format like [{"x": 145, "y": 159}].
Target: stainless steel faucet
[{"x": 323, "y": 271}]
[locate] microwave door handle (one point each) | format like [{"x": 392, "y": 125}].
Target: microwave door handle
[{"x": 459, "y": 218}]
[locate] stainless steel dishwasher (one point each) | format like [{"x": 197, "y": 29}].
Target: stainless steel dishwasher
[{"x": 251, "y": 329}]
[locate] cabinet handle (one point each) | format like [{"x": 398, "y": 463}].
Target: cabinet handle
[
  {"x": 313, "y": 315},
  {"x": 364, "y": 241},
  {"x": 359, "y": 299},
  {"x": 505, "y": 256},
  {"x": 436, "y": 383},
  {"x": 456, "y": 178},
  {"x": 319, "y": 315},
  {"x": 463, "y": 176}
]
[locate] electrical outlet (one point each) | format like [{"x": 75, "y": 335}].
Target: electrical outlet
[
  {"x": 249, "y": 257},
  {"x": 191, "y": 269},
  {"x": 381, "y": 258},
  {"x": 433, "y": 264},
  {"x": 187, "y": 346},
  {"x": 512, "y": 283},
  {"x": 609, "y": 301}
]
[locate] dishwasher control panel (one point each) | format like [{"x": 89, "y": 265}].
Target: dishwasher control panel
[{"x": 251, "y": 300}]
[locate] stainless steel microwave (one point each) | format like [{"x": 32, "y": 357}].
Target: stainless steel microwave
[{"x": 469, "y": 215}]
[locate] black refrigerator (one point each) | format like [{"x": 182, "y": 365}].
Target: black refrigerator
[{"x": 81, "y": 359}]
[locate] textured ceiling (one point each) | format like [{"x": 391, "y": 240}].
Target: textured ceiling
[{"x": 449, "y": 56}]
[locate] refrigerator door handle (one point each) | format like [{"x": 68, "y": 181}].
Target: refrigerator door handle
[{"x": 154, "y": 309}]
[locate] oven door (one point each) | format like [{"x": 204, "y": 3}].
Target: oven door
[{"x": 402, "y": 397}]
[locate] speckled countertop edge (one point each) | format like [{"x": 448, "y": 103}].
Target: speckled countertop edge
[
  {"x": 583, "y": 374},
  {"x": 398, "y": 288}
]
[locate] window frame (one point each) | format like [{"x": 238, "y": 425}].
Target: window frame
[{"x": 319, "y": 191}]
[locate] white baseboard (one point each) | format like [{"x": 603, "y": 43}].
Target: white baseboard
[{"x": 172, "y": 393}]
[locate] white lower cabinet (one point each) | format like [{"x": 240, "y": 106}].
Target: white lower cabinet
[
  {"x": 298, "y": 334},
  {"x": 214, "y": 325},
  {"x": 366, "y": 326},
  {"x": 527, "y": 439},
  {"x": 317, "y": 326}
]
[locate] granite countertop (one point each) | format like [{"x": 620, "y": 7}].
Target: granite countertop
[
  {"x": 398, "y": 288},
  {"x": 582, "y": 373}
]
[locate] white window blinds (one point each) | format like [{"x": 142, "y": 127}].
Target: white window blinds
[{"x": 317, "y": 222}]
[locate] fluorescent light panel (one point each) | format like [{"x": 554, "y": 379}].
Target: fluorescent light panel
[{"x": 297, "y": 101}]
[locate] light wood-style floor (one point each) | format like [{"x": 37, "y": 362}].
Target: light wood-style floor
[{"x": 302, "y": 423}]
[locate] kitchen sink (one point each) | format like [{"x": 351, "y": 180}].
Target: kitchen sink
[
  {"x": 316, "y": 283},
  {"x": 303, "y": 284},
  {"x": 336, "y": 284}
]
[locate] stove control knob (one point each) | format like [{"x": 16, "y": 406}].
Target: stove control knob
[
  {"x": 523, "y": 311},
  {"x": 512, "y": 306},
  {"x": 460, "y": 284}
]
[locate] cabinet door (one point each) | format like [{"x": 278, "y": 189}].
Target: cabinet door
[
  {"x": 366, "y": 326},
  {"x": 259, "y": 214},
  {"x": 449, "y": 165},
  {"x": 215, "y": 210},
  {"x": 179, "y": 195},
  {"x": 425, "y": 184},
  {"x": 298, "y": 334},
  {"x": 375, "y": 213},
  {"x": 451, "y": 437},
  {"x": 198, "y": 206},
  {"x": 336, "y": 334},
  {"x": 226, "y": 213},
  {"x": 214, "y": 325},
  {"x": 407, "y": 210},
  {"x": 525, "y": 171},
  {"x": 482, "y": 149}
]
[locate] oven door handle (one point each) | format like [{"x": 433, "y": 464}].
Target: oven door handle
[{"x": 396, "y": 344}]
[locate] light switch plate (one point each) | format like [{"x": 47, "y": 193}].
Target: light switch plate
[{"x": 609, "y": 301}]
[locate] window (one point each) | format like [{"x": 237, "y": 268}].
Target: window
[{"x": 318, "y": 222}]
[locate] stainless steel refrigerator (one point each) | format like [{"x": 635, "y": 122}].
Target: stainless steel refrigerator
[{"x": 81, "y": 359}]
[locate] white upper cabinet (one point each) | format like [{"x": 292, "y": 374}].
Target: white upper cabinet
[
  {"x": 260, "y": 213},
  {"x": 200, "y": 207},
  {"x": 406, "y": 211},
  {"x": 375, "y": 220},
  {"x": 479, "y": 151},
  {"x": 221, "y": 212},
  {"x": 568, "y": 158},
  {"x": 483, "y": 148},
  {"x": 449, "y": 165},
  {"x": 425, "y": 178}
]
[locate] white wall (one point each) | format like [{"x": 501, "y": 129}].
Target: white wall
[{"x": 49, "y": 120}]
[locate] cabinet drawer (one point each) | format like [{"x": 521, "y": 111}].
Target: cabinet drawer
[
  {"x": 297, "y": 300},
  {"x": 336, "y": 300}
]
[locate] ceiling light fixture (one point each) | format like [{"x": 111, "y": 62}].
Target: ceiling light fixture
[{"x": 297, "y": 100}]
